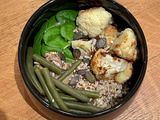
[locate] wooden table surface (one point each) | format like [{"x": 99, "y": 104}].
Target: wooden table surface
[{"x": 15, "y": 103}]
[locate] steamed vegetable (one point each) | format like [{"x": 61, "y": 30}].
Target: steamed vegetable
[
  {"x": 52, "y": 89},
  {"x": 47, "y": 63},
  {"x": 83, "y": 107},
  {"x": 46, "y": 90},
  {"x": 69, "y": 71},
  {"x": 89, "y": 94},
  {"x": 29, "y": 63},
  {"x": 67, "y": 97},
  {"x": 78, "y": 111},
  {"x": 70, "y": 90}
]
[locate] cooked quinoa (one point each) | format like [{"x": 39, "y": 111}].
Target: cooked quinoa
[{"x": 109, "y": 90}]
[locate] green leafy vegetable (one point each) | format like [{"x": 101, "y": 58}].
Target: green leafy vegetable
[
  {"x": 65, "y": 16},
  {"x": 55, "y": 38},
  {"x": 57, "y": 41},
  {"x": 47, "y": 49},
  {"x": 38, "y": 39},
  {"x": 52, "y": 21},
  {"x": 51, "y": 32},
  {"x": 67, "y": 30},
  {"x": 68, "y": 55}
]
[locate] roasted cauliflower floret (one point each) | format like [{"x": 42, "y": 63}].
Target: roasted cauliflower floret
[
  {"x": 110, "y": 33},
  {"x": 84, "y": 46},
  {"x": 125, "y": 75},
  {"x": 92, "y": 21},
  {"x": 125, "y": 45},
  {"x": 105, "y": 66}
]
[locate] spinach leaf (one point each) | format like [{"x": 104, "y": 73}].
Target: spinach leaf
[
  {"x": 53, "y": 38},
  {"x": 52, "y": 21},
  {"x": 65, "y": 16},
  {"x": 57, "y": 41},
  {"x": 67, "y": 30},
  {"x": 47, "y": 49},
  {"x": 51, "y": 32},
  {"x": 38, "y": 39},
  {"x": 68, "y": 55}
]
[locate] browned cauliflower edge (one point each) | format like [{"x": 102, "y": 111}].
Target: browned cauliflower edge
[
  {"x": 105, "y": 66},
  {"x": 125, "y": 46},
  {"x": 110, "y": 33}
]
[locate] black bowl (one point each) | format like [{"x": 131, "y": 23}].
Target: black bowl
[{"x": 122, "y": 17}]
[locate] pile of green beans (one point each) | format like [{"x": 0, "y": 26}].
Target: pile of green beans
[
  {"x": 70, "y": 91},
  {"x": 46, "y": 90},
  {"x": 52, "y": 88},
  {"x": 55, "y": 91}
]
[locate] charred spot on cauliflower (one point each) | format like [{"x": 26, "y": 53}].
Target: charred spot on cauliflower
[
  {"x": 110, "y": 33},
  {"x": 92, "y": 21},
  {"x": 105, "y": 66},
  {"x": 125, "y": 45}
]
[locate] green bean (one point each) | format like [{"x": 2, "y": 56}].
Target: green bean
[
  {"x": 90, "y": 94},
  {"x": 70, "y": 90},
  {"x": 67, "y": 97},
  {"x": 29, "y": 63},
  {"x": 52, "y": 89},
  {"x": 46, "y": 90},
  {"x": 46, "y": 99},
  {"x": 52, "y": 103},
  {"x": 47, "y": 64},
  {"x": 58, "y": 90},
  {"x": 37, "y": 66},
  {"x": 83, "y": 106},
  {"x": 69, "y": 71},
  {"x": 90, "y": 103},
  {"x": 78, "y": 111}
]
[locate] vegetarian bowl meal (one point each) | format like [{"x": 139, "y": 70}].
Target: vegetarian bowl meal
[{"x": 82, "y": 59}]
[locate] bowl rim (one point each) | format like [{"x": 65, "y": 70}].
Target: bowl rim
[{"x": 47, "y": 105}]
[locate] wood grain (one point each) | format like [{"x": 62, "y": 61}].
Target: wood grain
[{"x": 15, "y": 103}]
